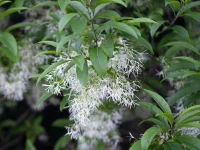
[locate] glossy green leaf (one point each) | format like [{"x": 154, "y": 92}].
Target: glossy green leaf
[
  {"x": 191, "y": 142},
  {"x": 148, "y": 137},
  {"x": 136, "y": 146},
  {"x": 44, "y": 97},
  {"x": 169, "y": 117},
  {"x": 155, "y": 121},
  {"x": 99, "y": 60},
  {"x": 64, "y": 20},
  {"x": 160, "y": 101},
  {"x": 123, "y": 27}
]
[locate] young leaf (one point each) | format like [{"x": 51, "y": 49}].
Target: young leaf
[
  {"x": 64, "y": 20},
  {"x": 136, "y": 146},
  {"x": 160, "y": 101},
  {"x": 44, "y": 97},
  {"x": 123, "y": 27},
  {"x": 148, "y": 137},
  {"x": 190, "y": 142},
  {"x": 99, "y": 60}
]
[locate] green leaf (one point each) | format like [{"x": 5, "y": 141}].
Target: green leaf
[
  {"x": 191, "y": 142},
  {"x": 108, "y": 47},
  {"x": 108, "y": 14},
  {"x": 169, "y": 117},
  {"x": 49, "y": 52},
  {"x": 142, "y": 20},
  {"x": 192, "y": 108},
  {"x": 175, "y": 4},
  {"x": 172, "y": 51},
  {"x": 195, "y": 62},
  {"x": 189, "y": 6},
  {"x": 10, "y": 11},
  {"x": 65, "y": 101},
  {"x": 194, "y": 15},
  {"x": 110, "y": 1},
  {"x": 148, "y": 137},
  {"x": 157, "y": 122},
  {"x": 181, "y": 31},
  {"x": 64, "y": 41},
  {"x": 100, "y": 145},
  {"x": 173, "y": 146},
  {"x": 44, "y": 97},
  {"x": 62, "y": 143},
  {"x": 136, "y": 146},
  {"x": 99, "y": 60},
  {"x": 154, "y": 109},
  {"x": 4, "y": 2},
  {"x": 80, "y": 8},
  {"x": 145, "y": 44},
  {"x": 19, "y": 3},
  {"x": 10, "y": 46},
  {"x": 78, "y": 24},
  {"x": 63, "y": 4},
  {"x": 82, "y": 74},
  {"x": 155, "y": 27},
  {"x": 191, "y": 124},
  {"x": 21, "y": 25},
  {"x": 160, "y": 101},
  {"x": 50, "y": 68},
  {"x": 29, "y": 145},
  {"x": 51, "y": 43},
  {"x": 100, "y": 7},
  {"x": 183, "y": 45},
  {"x": 7, "y": 123},
  {"x": 123, "y": 27},
  {"x": 45, "y": 4},
  {"x": 64, "y": 20},
  {"x": 184, "y": 91},
  {"x": 186, "y": 117},
  {"x": 61, "y": 123},
  {"x": 79, "y": 61}
]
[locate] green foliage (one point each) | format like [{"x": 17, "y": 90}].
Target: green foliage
[{"x": 168, "y": 137}]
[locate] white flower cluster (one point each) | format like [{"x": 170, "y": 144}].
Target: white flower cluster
[
  {"x": 102, "y": 127},
  {"x": 186, "y": 131},
  {"x": 14, "y": 82},
  {"x": 87, "y": 99}
]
